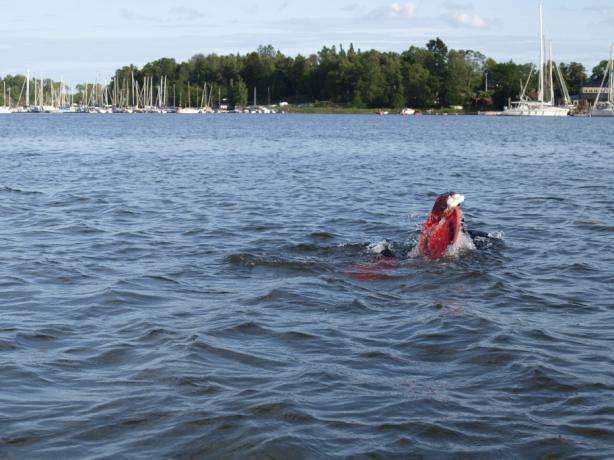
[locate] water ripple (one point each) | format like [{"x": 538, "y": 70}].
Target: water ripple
[{"x": 183, "y": 288}]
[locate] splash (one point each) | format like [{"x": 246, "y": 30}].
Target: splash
[
  {"x": 487, "y": 240},
  {"x": 380, "y": 268},
  {"x": 496, "y": 235},
  {"x": 413, "y": 253},
  {"x": 379, "y": 247},
  {"x": 462, "y": 246}
]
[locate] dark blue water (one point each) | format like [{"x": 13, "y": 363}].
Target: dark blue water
[{"x": 181, "y": 287}]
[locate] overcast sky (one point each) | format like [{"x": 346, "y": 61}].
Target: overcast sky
[{"x": 87, "y": 40}]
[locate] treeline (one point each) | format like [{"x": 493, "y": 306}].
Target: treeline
[{"x": 420, "y": 77}]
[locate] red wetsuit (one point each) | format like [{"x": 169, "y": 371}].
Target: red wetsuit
[{"x": 440, "y": 230}]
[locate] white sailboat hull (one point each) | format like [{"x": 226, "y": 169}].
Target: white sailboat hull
[
  {"x": 536, "y": 110},
  {"x": 606, "y": 110},
  {"x": 188, "y": 111}
]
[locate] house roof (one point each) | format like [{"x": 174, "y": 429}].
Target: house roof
[{"x": 593, "y": 83}]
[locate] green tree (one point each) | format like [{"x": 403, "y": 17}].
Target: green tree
[
  {"x": 299, "y": 77},
  {"x": 371, "y": 82},
  {"x": 465, "y": 71},
  {"x": 237, "y": 93},
  {"x": 419, "y": 84},
  {"x": 575, "y": 77},
  {"x": 418, "y": 89},
  {"x": 507, "y": 78},
  {"x": 599, "y": 69},
  {"x": 258, "y": 70},
  {"x": 392, "y": 89},
  {"x": 439, "y": 71}
]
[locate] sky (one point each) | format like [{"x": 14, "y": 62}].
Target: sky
[{"x": 80, "y": 40}]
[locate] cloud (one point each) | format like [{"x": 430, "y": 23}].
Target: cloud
[
  {"x": 131, "y": 15},
  {"x": 184, "y": 14},
  {"x": 599, "y": 8},
  {"x": 606, "y": 12},
  {"x": 455, "y": 6},
  {"x": 174, "y": 16},
  {"x": 460, "y": 15},
  {"x": 471, "y": 21},
  {"x": 352, "y": 8},
  {"x": 394, "y": 11}
]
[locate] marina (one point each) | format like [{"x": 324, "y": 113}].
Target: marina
[{"x": 543, "y": 92}]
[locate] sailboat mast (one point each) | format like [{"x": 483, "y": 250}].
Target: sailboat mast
[
  {"x": 541, "y": 56},
  {"x": 133, "y": 91},
  {"x": 611, "y": 95},
  {"x": 28, "y": 89},
  {"x": 551, "y": 83}
]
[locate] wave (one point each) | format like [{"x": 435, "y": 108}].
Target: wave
[
  {"x": 302, "y": 265},
  {"x": 7, "y": 189}
]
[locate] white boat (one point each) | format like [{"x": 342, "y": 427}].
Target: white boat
[
  {"x": 188, "y": 111},
  {"x": 603, "y": 109},
  {"x": 535, "y": 109},
  {"x": 98, "y": 109},
  {"x": 407, "y": 111},
  {"x": 606, "y": 108},
  {"x": 50, "y": 109},
  {"x": 68, "y": 109},
  {"x": 545, "y": 105},
  {"x": 5, "y": 108}
]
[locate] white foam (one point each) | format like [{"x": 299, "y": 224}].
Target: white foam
[
  {"x": 496, "y": 235},
  {"x": 463, "y": 245},
  {"x": 413, "y": 253},
  {"x": 379, "y": 247}
]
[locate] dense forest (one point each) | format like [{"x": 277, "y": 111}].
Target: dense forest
[{"x": 420, "y": 77}]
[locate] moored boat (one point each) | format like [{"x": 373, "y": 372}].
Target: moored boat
[
  {"x": 545, "y": 105},
  {"x": 606, "y": 108}
]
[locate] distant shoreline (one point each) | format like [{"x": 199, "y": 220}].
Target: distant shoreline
[{"x": 337, "y": 110}]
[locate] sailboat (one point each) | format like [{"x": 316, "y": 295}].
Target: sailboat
[
  {"x": 544, "y": 106},
  {"x": 188, "y": 110},
  {"x": 5, "y": 108},
  {"x": 606, "y": 108}
]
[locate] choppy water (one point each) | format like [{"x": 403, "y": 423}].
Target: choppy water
[{"x": 178, "y": 287}]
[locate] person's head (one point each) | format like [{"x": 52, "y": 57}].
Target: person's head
[{"x": 446, "y": 203}]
